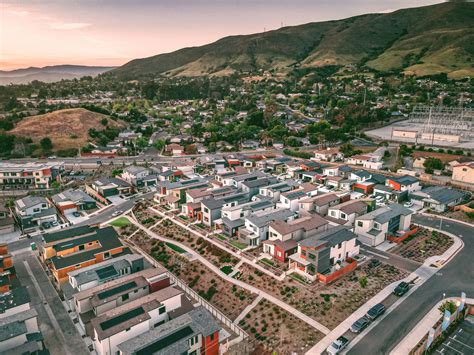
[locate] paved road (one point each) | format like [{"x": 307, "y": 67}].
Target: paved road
[
  {"x": 60, "y": 334},
  {"x": 455, "y": 277},
  {"x": 392, "y": 259}
]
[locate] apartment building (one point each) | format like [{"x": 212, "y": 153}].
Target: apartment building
[
  {"x": 76, "y": 248},
  {"x": 30, "y": 175}
]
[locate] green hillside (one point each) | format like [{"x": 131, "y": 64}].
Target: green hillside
[{"x": 425, "y": 40}]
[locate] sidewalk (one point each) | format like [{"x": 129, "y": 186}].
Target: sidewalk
[
  {"x": 310, "y": 321},
  {"x": 421, "y": 274},
  {"x": 423, "y": 327}
]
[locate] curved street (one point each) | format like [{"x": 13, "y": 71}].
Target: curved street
[{"x": 456, "y": 277}]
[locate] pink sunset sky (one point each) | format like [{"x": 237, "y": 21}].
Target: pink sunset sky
[{"x": 112, "y": 32}]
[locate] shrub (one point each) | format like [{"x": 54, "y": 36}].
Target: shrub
[{"x": 363, "y": 281}]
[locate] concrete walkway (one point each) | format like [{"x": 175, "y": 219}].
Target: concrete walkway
[
  {"x": 310, "y": 321},
  {"x": 423, "y": 327},
  {"x": 220, "y": 246},
  {"x": 419, "y": 276},
  {"x": 248, "y": 309}
]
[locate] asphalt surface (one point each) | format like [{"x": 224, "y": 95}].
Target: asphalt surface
[
  {"x": 456, "y": 277},
  {"x": 391, "y": 259},
  {"x": 60, "y": 334},
  {"x": 461, "y": 341}
]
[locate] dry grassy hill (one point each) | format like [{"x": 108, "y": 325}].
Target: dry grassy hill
[{"x": 66, "y": 128}]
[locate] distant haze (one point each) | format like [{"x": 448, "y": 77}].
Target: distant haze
[{"x": 112, "y": 32}]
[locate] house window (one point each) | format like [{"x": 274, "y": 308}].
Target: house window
[
  {"x": 333, "y": 213},
  {"x": 125, "y": 297},
  {"x": 162, "y": 310},
  {"x": 377, "y": 226},
  {"x": 312, "y": 256},
  {"x": 303, "y": 252},
  {"x": 106, "y": 255},
  {"x": 211, "y": 337},
  {"x": 343, "y": 216},
  {"x": 81, "y": 247},
  {"x": 193, "y": 340},
  {"x": 360, "y": 224}
]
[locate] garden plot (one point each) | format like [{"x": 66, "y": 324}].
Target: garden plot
[
  {"x": 422, "y": 245},
  {"x": 214, "y": 254},
  {"x": 123, "y": 227},
  {"x": 279, "y": 331},
  {"x": 144, "y": 215},
  {"x": 229, "y": 299},
  {"x": 328, "y": 304}
]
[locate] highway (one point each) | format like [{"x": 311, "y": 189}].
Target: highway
[{"x": 456, "y": 277}]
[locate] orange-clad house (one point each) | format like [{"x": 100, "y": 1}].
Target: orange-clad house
[
  {"x": 76, "y": 248},
  {"x": 7, "y": 271}
]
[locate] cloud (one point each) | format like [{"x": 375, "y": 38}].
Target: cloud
[{"x": 69, "y": 25}]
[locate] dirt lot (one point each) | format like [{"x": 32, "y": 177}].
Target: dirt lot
[
  {"x": 328, "y": 304},
  {"x": 279, "y": 331},
  {"x": 423, "y": 245},
  {"x": 211, "y": 252},
  {"x": 229, "y": 299}
]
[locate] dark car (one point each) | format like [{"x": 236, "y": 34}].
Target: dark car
[
  {"x": 375, "y": 311},
  {"x": 360, "y": 324},
  {"x": 401, "y": 289},
  {"x": 374, "y": 263}
]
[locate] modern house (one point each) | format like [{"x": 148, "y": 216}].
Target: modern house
[
  {"x": 73, "y": 200},
  {"x": 404, "y": 183},
  {"x": 256, "y": 225},
  {"x": 283, "y": 236},
  {"x": 438, "y": 198},
  {"x": 345, "y": 213},
  {"x": 97, "y": 274},
  {"x": 32, "y": 211},
  {"x": 291, "y": 199},
  {"x": 133, "y": 319},
  {"x": 374, "y": 227},
  {"x": 274, "y": 191},
  {"x": 77, "y": 248},
  {"x": 135, "y": 175},
  {"x": 233, "y": 217},
  {"x": 195, "y": 332},
  {"x": 211, "y": 208},
  {"x": 326, "y": 256},
  {"x": 321, "y": 203},
  {"x": 107, "y": 187}
]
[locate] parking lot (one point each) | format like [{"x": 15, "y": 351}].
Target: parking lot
[{"x": 461, "y": 341}]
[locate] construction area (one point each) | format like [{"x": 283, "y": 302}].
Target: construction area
[{"x": 428, "y": 125}]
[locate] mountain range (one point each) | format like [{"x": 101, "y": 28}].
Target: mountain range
[
  {"x": 49, "y": 74},
  {"x": 423, "y": 41}
]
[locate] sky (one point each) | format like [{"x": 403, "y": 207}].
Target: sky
[{"x": 112, "y": 32}]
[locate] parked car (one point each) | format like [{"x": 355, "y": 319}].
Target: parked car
[
  {"x": 401, "y": 289},
  {"x": 359, "y": 258},
  {"x": 46, "y": 225},
  {"x": 374, "y": 263},
  {"x": 408, "y": 204},
  {"x": 375, "y": 311},
  {"x": 379, "y": 198},
  {"x": 52, "y": 157},
  {"x": 116, "y": 213},
  {"x": 54, "y": 224},
  {"x": 360, "y": 324},
  {"x": 337, "y": 345},
  {"x": 76, "y": 214}
]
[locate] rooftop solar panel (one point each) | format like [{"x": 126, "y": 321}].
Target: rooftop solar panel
[
  {"x": 166, "y": 341},
  {"x": 116, "y": 290},
  {"x": 122, "y": 318},
  {"x": 106, "y": 272}
]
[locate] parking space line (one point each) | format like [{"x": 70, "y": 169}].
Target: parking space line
[
  {"x": 463, "y": 344},
  {"x": 453, "y": 348}
]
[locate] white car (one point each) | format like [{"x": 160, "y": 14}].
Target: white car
[
  {"x": 379, "y": 198},
  {"x": 408, "y": 204},
  {"x": 337, "y": 345},
  {"x": 116, "y": 213}
]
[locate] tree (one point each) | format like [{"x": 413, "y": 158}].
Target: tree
[
  {"x": 46, "y": 144},
  {"x": 159, "y": 145},
  {"x": 347, "y": 149},
  {"x": 104, "y": 122},
  {"x": 7, "y": 143},
  {"x": 432, "y": 164}
]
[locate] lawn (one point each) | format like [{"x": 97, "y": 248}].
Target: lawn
[
  {"x": 120, "y": 222},
  {"x": 227, "y": 269},
  {"x": 238, "y": 245},
  {"x": 267, "y": 262},
  {"x": 175, "y": 248}
]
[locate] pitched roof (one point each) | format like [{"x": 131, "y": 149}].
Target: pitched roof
[{"x": 307, "y": 223}]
